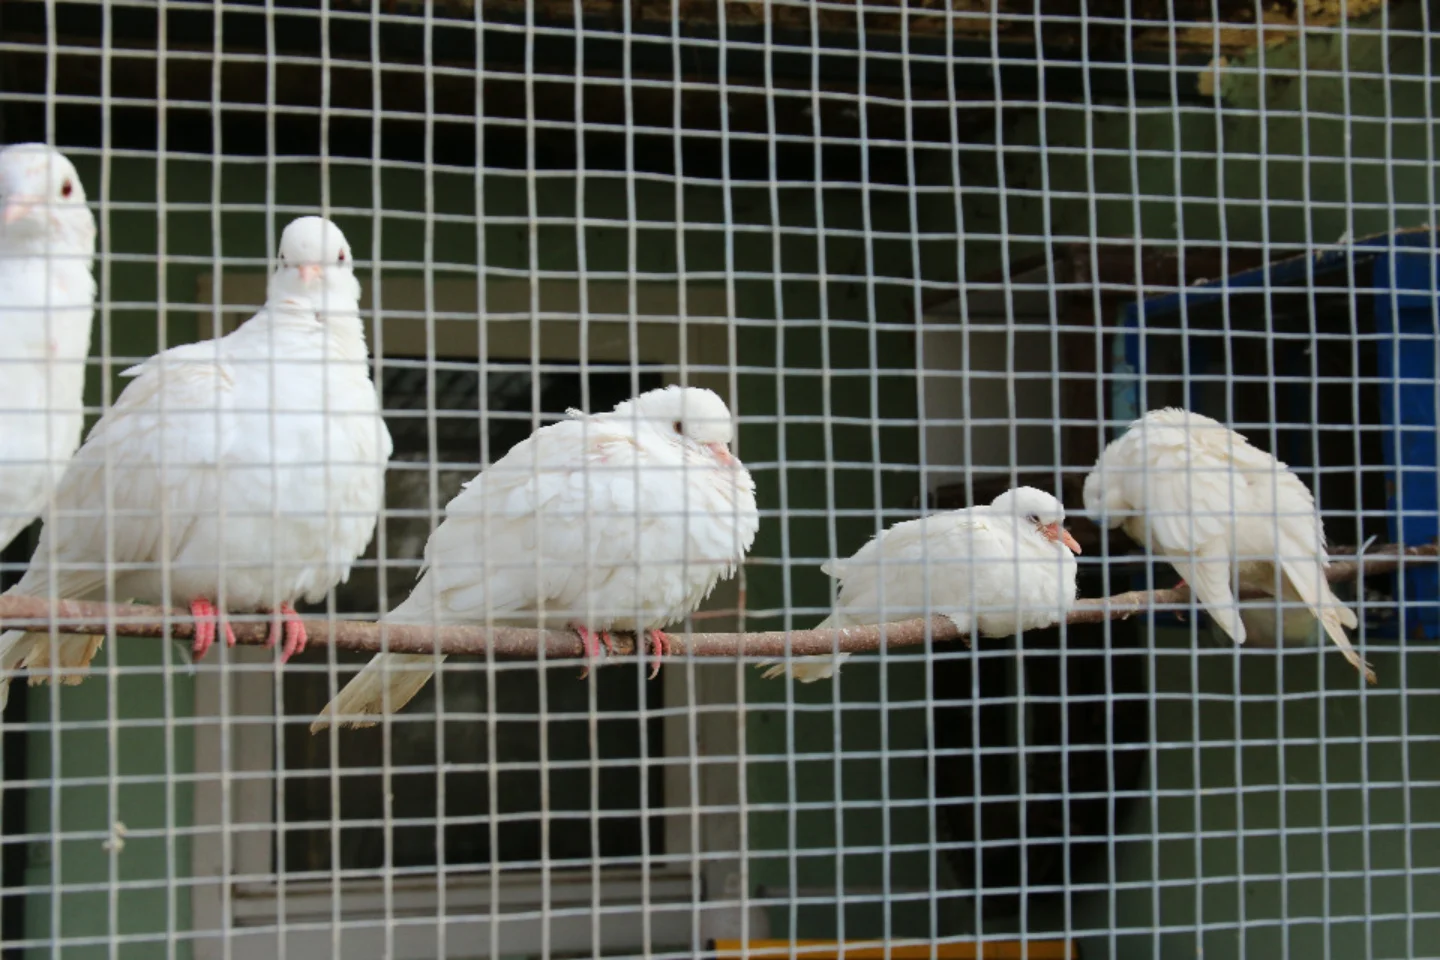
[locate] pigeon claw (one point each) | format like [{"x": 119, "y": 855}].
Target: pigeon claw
[
  {"x": 591, "y": 641},
  {"x": 659, "y": 648},
  {"x": 206, "y": 617},
  {"x": 293, "y": 630}
]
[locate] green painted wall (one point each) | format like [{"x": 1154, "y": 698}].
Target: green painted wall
[{"x": 1299, "y": 191}]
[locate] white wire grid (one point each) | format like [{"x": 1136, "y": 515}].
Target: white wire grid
[{"x": 794, "y": 241}]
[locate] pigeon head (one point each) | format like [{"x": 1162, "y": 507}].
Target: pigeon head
[
  {"x": 690, "y": 416},
  {"x": 315, "y": 265},
  {"x": 1037, "y": 510},
  {"x": 1178, "y": 417},
  {"x": 42, "y": 201}
]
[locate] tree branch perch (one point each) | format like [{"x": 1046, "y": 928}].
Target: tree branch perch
[{"x": 130, "y": 620}]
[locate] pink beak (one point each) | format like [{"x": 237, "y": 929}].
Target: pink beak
[
  {"x": 721, "y": 452},
  {"x": 17, "y": 207},
  {"x": 310, "y": 272},
  {"x": 1056, "y": 532}
]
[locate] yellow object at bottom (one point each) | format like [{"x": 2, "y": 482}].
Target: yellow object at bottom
[{"x": 873, "y": 950}]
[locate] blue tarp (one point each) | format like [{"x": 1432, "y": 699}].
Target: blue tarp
[{"x": 1405, "y": 302}]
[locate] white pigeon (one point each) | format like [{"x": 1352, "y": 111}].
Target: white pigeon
[
  {"x": 250, "y": 468},
  {"x": 1199, "y": 495},
  {"x": 47, "y": 301},
  {"x": 618, "y": 521},
  {"x": 1001, "y": 569}
]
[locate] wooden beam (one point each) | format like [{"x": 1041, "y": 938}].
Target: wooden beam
[
  {"x": 1199, "y": 26},
  {"x": 553, "y": 39},
  {"x": 459, "y": 96},
  {"x": 754, "y": 120}
]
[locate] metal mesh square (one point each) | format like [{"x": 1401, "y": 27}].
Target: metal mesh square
[{"x": 925, "y": 253}]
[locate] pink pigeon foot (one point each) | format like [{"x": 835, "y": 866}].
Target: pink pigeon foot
[
  {"x": 292, "y": 628},
  {"x": 592, "y": 640},
  {"x": 659, "y": 648},
  {"x": 1180, "y": 615},
  {"x": 206, "y": 617}
]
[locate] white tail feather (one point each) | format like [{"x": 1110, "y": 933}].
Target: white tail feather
[
  {"x": 31, "y": 651},
  {"x": 1209, "y": 580},
  {"x": 1309, "y": 582},
  {"x": 806, "y": 669},
  {"x": 398, "y": 676}
]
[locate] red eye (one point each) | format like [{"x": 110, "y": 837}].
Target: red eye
[
  {"x": 66, "y": 189},
  {"x": 342, "y": 256}
]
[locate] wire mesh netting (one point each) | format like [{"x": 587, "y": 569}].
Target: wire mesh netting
[{"x": 658, "y": 352}]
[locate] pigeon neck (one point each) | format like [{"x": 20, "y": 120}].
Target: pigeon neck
[
  {"x": 67, "y": 235},
  {"x": 67, "y": 275},
  {"x": 45, "y": 250},
  {"x": 345, "y": 334},
  {"x": 338, "y": 327}
]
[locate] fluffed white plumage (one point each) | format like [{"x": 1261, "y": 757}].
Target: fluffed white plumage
[
  {"x": 1198, "y": 494},
  {"x": 624, "y": 520},
  {"x": 254, "y": 461},
  {"x": 1001, "y": 568},
  {"x": 47, "y": 297}
]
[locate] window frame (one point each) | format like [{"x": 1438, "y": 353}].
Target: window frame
[{"x": 241, "y": 902}]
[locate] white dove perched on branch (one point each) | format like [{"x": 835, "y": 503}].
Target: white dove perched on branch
[
  {"x": 47, "y": 302},
  {"x": 250, "y": 467},
  {"x": 623, "y": 520},
  {"x": 983, "y": 566},
  {"x": 1199, "y": 495}
]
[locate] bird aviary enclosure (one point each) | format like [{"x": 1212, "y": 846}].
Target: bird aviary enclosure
[{"x": 925, "y": 252}]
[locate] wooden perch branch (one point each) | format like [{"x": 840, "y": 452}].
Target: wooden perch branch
[{"x": 126, "y": 620}]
